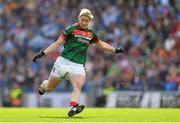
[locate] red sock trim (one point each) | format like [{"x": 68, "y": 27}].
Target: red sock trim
[{"x": 72, "y": 103}]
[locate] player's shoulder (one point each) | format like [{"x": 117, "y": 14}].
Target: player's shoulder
[
  {"x": 71, "y": 27},
  {"x": 91, "y": 29}
]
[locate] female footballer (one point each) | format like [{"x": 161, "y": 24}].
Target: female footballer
[{"x": 76, "y": 40}]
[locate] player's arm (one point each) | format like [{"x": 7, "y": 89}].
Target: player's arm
[
  {"x": 49, "y": 49},
  {"x": 54, "y": 46},
  {"x": 107, "y": 47}
]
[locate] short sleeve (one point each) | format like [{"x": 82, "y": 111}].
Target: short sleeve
[
  {"x": 95, "y": 38},
  {"x": 66, "y": 32}
]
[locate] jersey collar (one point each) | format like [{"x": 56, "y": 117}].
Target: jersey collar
[{"x": 78, "y": 27}]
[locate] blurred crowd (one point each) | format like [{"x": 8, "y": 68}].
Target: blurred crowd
[{"x": 149, "y": 30}]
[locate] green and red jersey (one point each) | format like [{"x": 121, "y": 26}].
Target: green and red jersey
[{"x": 77, "y": 41}]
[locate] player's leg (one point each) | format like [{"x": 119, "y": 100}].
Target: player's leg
[
  {"x": 56, "y": 76},
  {"x": 49, "y": 85},
  {"x": 52, "y": 82},
  {"x": 77, "y": 82}
]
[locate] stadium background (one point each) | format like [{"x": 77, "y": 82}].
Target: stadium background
[{"x": 147, "y": 75}]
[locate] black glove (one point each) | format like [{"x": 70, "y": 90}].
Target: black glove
[
  {"x": 39, "y": 55},
  {"x": 119, "y": 50}
]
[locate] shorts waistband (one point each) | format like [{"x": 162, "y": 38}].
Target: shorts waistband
[{"x": 71, "y": 62}]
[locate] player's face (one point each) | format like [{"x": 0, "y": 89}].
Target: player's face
[{"x": 84, "y": 22}]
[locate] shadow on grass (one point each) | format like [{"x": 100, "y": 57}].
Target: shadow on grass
[
  {"x": 58, "y": 117},
  {"x": 75, "y": 117}
]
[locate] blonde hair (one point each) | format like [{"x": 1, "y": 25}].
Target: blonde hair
[{"x": 86, "y": 12}]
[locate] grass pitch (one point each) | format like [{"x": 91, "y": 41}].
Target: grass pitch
[{"x": 89, "y": 115}]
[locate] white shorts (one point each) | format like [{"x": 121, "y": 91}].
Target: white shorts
[{"x": 62, "y": 62}]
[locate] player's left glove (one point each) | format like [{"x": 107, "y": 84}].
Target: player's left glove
[
  {"x": 119, "y": 50},
  {"x": 39, "y": 55}
]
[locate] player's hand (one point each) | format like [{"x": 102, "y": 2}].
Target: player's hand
[
  {"x": 39, "y": 55},
  {"x": 119, "y": 50}
]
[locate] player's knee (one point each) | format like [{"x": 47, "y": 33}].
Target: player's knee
[{"x": 79, "y": 86}]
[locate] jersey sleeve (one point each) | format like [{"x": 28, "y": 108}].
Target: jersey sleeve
[
  {"x": 66, "y": 32},
  {"x": 95, "y": 38}
]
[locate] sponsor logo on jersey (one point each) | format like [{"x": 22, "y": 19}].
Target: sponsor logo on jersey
[
  {"x": 87, "y": 35},
  {"x": 83, "y": 40}
]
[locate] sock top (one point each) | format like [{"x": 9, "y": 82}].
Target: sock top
[{"x": 73, "y": 103}]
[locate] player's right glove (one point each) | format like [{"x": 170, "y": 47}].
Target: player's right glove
[
  {"x": 39, "y": 55},
  {"x": 119, "y": 50}
]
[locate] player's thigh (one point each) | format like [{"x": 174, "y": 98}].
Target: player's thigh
[
  {"x": 77, "y": 80},
  {"x": 54, "y": 78}
]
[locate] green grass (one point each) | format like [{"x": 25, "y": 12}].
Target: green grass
[{"x": 89, "y": 115}]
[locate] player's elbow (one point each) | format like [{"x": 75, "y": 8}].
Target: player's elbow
[
  {"x": 59, "y": 42},
  {"x": 100, "y": 44}
]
